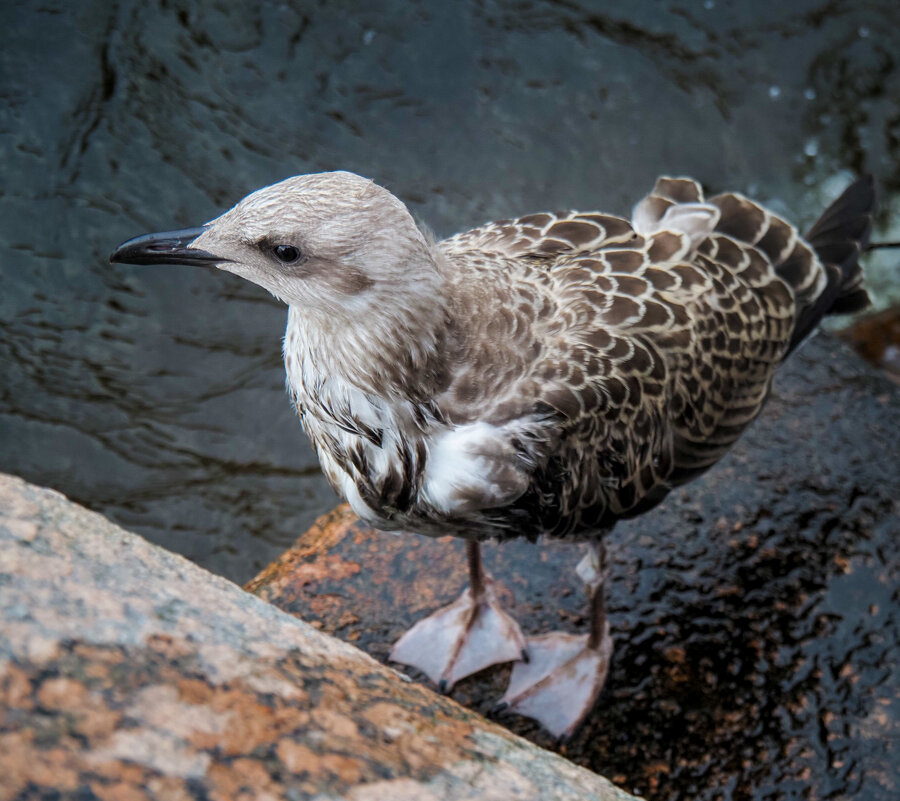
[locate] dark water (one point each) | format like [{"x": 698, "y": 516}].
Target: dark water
[{"x": 156, "y": 395}]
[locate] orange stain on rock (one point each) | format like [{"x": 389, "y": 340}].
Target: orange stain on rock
[
  {"x": 15, "y": 690},
  {"x": 96, "y": 722},
  {"x": 251, "y": 724},
  {"x": 61, "y": 694},
  {"x": 337, "y": 724},
  {"x": 118, "y": 791},
  {"x": 320, "y": 539},
  {"x": 241, "y": 780}
]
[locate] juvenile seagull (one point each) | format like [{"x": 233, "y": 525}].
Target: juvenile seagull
[{"x": 543, "y": 376}]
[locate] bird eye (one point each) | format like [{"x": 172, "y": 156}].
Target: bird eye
[{"x": 286, "y": 254}]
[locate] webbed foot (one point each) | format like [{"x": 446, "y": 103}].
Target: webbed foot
[
  {"x": 469, "y": 635},
  {"x": 561, "y": 681}
]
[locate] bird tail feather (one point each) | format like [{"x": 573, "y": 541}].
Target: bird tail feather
[{"x": 838, "y": 238}]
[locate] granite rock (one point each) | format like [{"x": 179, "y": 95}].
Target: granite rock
[{"x": 127, "y": 672}]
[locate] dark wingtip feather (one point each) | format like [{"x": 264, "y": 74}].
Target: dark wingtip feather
[
  {"x": 851, "y": 303},
  {"x": 850, "y": 216},
  {"x": 838, "y": 237}
]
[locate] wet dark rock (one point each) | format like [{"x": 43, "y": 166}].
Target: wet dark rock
[
  {"x": 127, "y": 672},
  {"x": 156, "y": 395},
  {"x": 756, "y": 613},
  {"x": 876, "y": 337}
]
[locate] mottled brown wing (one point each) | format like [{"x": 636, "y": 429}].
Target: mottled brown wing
[
  {"x": 740, "y": 332},
  {"x": 789, "y": 256},
  {"x": 546, "y": 236},
  {"x": 822, "y": 269},
  {"x": 613, "y": 371},
  {"x": 653, "y": 352},
  {"x": 669, "y": 349}
]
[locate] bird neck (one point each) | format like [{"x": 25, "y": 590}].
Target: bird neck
[{"x": 391, "y": 350}]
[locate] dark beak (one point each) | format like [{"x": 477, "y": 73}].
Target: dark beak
[{"x": 168, "y": 247}]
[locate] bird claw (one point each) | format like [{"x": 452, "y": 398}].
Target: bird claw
[
  {"x": 469, "y": 635},
  {"x": 560, "y": 684}
]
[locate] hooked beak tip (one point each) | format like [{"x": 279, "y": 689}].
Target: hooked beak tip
[{"x": 167, "y": 247}]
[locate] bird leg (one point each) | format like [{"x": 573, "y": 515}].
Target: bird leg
[
  {"x": 565, "y": 672},
  {"x": 469, "y": 635}
]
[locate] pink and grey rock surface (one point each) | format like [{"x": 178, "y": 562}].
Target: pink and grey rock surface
[{"x": 126, "y": 672}]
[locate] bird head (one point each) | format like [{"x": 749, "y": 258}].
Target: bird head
[{"x": 331, "y": 244}]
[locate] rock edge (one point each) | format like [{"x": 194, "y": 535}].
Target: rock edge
[{"x": 127, "y": 672}]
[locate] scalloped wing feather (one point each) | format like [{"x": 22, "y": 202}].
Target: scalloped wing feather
[
  {"x": 654, "y": 352},
  {"x": 546, "y": 236}
]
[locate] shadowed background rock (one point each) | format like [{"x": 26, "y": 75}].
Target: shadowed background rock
[
  {"x": 157, "y": 396},
  {"x": 756, "y": 611},
  {"x": 127, "y": 672}
]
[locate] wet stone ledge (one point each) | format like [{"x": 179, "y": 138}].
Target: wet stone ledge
[
  {"x": 876, "y": 337},
  {"x": 126, "y": 672},
  {"x": 755, "y": 614}
]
